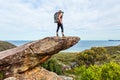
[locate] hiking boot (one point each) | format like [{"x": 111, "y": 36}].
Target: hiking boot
[
  {"x": 57, "y": 34},
  {"x": 63, "y": 34}
]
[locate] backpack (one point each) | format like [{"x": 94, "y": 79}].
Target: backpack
[{"x": 56, "y": 17}]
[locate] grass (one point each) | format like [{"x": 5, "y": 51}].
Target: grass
[{"x": 65, "y": 57}]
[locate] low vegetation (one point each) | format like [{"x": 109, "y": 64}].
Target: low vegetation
[
  {"x": 53, "y": 65},
  {"x": 113, "y": 49},
  {"x": 4, "y": 45},
  {"x": 92, "y": 64},
  {"x": 107, "y": 71},
  {"x": 92, "y": 56}
]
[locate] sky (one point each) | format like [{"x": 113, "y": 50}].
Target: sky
[{"x": 34, "y": 19}]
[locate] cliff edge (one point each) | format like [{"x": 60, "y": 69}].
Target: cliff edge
[{"x": 25, "y": 58}]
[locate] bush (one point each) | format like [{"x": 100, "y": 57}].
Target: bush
[
  {"x": 52, "y": 65},
  {"x": 109, "y": 71},
  {"x": 91, "y": 56},
  {"x": 86, "y": 57}
]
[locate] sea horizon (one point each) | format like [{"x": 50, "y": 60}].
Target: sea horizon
[{"x": 80, "y": 46}]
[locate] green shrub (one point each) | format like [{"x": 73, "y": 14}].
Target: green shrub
[
  {"x": 53, "y": 65},
  {"x": 91, "y": 56},
  {"x": 109, "y": 71}
]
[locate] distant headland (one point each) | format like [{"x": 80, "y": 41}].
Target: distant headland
[{"x": 113, "y": 40}]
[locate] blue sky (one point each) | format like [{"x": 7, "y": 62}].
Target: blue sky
[{"x": 33, "y": 19}]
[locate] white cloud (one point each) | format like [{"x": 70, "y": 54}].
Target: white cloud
[{"x": 35, "y": 17}]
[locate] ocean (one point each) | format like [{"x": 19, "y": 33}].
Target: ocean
[{"x": 80, "y": 46}]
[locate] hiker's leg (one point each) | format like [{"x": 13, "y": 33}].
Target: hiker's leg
[
  {"x": 62, "y": 30},
  {"x": 58, "y": 25},
  {"x": 57, "y": 29}
]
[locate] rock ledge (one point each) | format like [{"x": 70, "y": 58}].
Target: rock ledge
[{"x": 23, "y": 58}]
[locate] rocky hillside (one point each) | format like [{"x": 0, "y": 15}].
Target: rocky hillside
[
  {"x": 26, "y": 59},
  {"x": 5, "y": 45}
]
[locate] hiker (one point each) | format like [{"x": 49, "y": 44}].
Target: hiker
[{"x": 58, "y": 19}]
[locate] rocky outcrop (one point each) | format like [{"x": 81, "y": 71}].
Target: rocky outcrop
[
  {"x": 25, "y": 58},
  {"x": 37, "y": 73}
]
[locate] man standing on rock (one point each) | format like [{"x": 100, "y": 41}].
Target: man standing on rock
[{"x": 58, "y": 19}]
